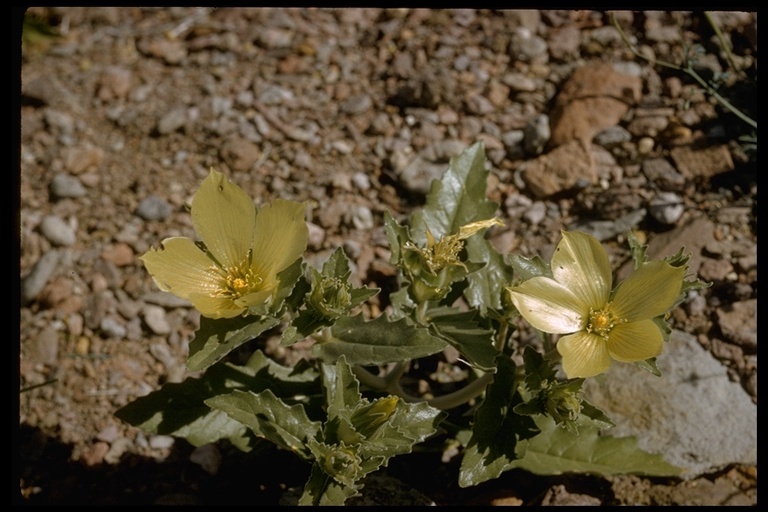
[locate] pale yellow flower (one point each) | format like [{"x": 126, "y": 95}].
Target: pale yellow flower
[
  {"x": 599, "y": 324},
  {"x": 244, "y": 250}
]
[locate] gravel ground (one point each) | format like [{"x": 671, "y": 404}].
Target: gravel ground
[{"x": 356, "y": 111}]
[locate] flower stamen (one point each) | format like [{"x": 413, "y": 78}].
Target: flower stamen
[
  {"x": 238, "y": 282},
  {"x": 601, "y": 321}
]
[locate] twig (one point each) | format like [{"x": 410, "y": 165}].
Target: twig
[{"x": 687, "y": 70}]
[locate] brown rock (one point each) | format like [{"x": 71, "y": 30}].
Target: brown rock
[
  {"x": 170, "y": 51},
  {"x": 561, "y": 169},
  {"x": 240, "y": 154},
  {"x": 95, "y": 454},
  {"x": 119, "y": 254},
  {"x": 56, "y": 291},
  {"x": 114, "y": 83},
  {"x": 738, "y": 322},
  {"x": 564, "y": 41},
  {"x": 693, "y": 235},
  {"x": 714, "y": 270},
  {"x": 80, "y": 159},
  {"x": 594, "y": 98},
  {"x": 694, "y": 162}
]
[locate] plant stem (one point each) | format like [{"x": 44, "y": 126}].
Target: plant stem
[
  {"x": 501, "y": 337},
  {"x": 391, "y": 384},
  {"x": 421, "y": 312},
  {"x": 451, "y": 400},
  {"x": 723, "y": 43},
  {"x": 687, "y": 70}
]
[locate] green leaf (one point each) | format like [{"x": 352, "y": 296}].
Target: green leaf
[
  {"x": 525, "y": 268},
  {"x": 555, "y": 451},
  {"x": 342, "y": 390},
  {"x": 376, "y": 342},
  {"x": 410, "y": 424},
  {"x": 538, "y": 372},
  {"x": 179, "y": 409},
  {"x": 637, "y": 250},
  {"x": 486, "y": 286},
  {"x": 650, "y": 365},
  {"x": 560, "y": 400},
  {"x": 463, "y": 331},
  {"x": 402, "y": 304},
  {"x": 288, "y": 426},
  {"x": 397, "y": 236},
  {"x": 288, "y": 280},
  {"x": 337, "y": 267},
  {"x": 457, "y": 199},
  {"x": 323, "y": 490},
  {"x": 497, "y": 430},
  {"x": 217, "y": 338},
  {"x": 360, "y": 435}
]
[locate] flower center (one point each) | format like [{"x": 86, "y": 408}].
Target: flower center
[
  {"x": 445, "y": 252},
  {"x": 239, "y": 281},
  {"x": 601, "y": 321}
]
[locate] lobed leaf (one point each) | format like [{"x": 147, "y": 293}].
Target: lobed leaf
[
  {"x": 462, "y": 330},
  {"x": 217, "y": 338},
  {"x": 287, "y": 426},
  {"x": 497, "y": 431},
  {"x": 457, "y": 199},
  {"x": 179, "y": 409},
  {"x": 555, "y": 451}
]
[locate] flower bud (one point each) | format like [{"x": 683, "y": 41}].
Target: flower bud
[
  {"x": 563, "y": 405},
  {"x": 342, "y": 463},
  {"x": 330, "y": 296}
]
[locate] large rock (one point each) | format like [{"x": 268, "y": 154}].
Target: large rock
[
  {"x": 693, "y": 414},
  {"x": 594, "y": 98}
]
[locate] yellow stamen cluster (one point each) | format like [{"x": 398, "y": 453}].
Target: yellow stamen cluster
[
  {"x": 601, "y": 321},
  {"x": 238, "y": 282},
  {"x": 443, "y": 253}
]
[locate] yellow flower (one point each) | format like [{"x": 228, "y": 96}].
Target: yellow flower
[
  {"x": 599, "y": 324},
  {"x": 244, "y": 250}
]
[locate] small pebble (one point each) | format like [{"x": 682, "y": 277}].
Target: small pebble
[
  {"x": 112, "y": 328},
  {"x": 667, "y": 207},
  {"x": 64, "y": 185},
  {"x": 154, "y": 208},
  {"x": 645, "y": 145},
  {"x": 161, "y": 442},
  {"x": 537, "y": 133},
  {"x": 172, "y": 121},
  {"x": 57, "y": 231},
  {"x": 38, "y": 277},
  {"x": 155, "y": 318},
  {"x": 362, "y": 218}
]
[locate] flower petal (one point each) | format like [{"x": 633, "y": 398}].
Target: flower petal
[
  {"x": 224, "y": 217},
  {"x": 181, "y": 268},
  {"x": 216, "y": 307},
  {"x": 584, "y": 355},
  {"x": 549, "y": 306},
  {"x": 649, "y": 291},
  {"x": 256, "y": 298},
  {"x": 635, "y": 341},
  {"x": 581, "y": 264},
  {"x": 281, "y": 236}
]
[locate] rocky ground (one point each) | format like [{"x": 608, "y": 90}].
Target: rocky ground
[{"x": 124, "y": 110}]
